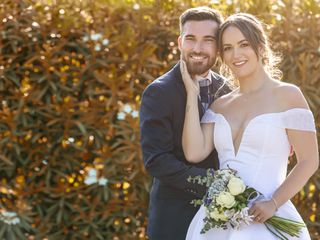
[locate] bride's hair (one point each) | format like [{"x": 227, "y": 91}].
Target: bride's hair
[{"x": 252, "y": 29}]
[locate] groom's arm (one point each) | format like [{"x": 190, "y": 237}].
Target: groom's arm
[{"x": 157, "y": 142}]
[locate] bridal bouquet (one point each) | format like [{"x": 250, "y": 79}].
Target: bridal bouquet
[{"x": 228, "y": 200}]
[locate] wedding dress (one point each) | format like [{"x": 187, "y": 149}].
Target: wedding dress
[{"x": 261, "y": 161}]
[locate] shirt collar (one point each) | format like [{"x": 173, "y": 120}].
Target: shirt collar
[{"x": 209, "y": 76}]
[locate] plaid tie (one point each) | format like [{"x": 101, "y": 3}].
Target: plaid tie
[{"x": 205, "y": 93}]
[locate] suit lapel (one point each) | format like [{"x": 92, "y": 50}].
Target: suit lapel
[{"x": 215, "y": 85}]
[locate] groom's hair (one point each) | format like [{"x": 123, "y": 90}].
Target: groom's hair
[{"x": 200, "y": 14}]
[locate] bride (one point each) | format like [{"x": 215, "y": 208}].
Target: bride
[{"x": 252, "y": 128}]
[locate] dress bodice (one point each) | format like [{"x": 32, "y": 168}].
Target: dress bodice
[
  {"x": 262, "y": 156},
  {"x": 261, "y": 161}
]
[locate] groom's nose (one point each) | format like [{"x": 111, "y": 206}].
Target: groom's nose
[{"x": 197, "y": 48}]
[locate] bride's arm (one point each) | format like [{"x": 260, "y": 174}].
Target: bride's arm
[
  {"x": 197, "y": 140},
  {"x": 306, "y": 149}
]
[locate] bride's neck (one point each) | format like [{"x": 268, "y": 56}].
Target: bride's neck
[{"x": 254, "y": 83}]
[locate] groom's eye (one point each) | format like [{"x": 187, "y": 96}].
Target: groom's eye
[{"x": 189, "y": 38}]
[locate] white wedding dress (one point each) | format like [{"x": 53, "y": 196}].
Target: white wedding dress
[{"x": 261, "y": 161}]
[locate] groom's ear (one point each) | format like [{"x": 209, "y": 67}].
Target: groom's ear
[{"x": 179, "y": 42}]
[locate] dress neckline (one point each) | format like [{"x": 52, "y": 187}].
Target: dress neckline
[{"x": 236, "y": 151}]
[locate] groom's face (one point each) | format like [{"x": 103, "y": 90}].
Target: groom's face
[{"x": 198, "y": 45}]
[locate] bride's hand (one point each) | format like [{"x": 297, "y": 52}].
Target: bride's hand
[
  {"x": 192, "y": 86},
  {"x": 262, "y": 210}
]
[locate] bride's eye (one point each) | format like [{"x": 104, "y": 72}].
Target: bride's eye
[
  {"x": 245, "y": 44},
  {"x": 226, "y": 49}
]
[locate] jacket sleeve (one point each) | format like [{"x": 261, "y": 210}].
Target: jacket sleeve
[{"x": 157, "y": 142}]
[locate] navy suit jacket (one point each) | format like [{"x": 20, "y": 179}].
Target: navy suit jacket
[{"x": 161, "y": 121}]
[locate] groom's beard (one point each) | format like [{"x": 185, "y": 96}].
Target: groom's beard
[{"x": 198, "y": 67}]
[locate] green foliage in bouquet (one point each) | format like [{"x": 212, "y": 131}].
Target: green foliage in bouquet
[{"x": 227, "y": 203}]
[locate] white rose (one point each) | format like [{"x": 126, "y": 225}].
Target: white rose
[
  {"x": 215, "y": 215},
  {"x": 218, "y": 216},
  {"x": 225, "y": 199},
  {"x": 236, "y": 186}
]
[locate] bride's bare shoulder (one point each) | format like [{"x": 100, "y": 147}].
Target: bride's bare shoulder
[
  {"x": 222, "y": 101},
  {"x": 290, "y": 95}
]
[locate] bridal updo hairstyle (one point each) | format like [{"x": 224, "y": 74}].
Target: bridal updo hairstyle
[{"x": 252, "y": 29}]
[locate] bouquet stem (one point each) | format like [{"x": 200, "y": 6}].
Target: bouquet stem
[{"x": 278, "y": 226}]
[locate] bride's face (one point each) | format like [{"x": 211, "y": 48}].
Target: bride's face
[{"x": 238, "y": 54}]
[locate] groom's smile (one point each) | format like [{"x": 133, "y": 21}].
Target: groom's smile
[
  {"x": 198, "y": 47},
  {"x": 197, "y": 58}
]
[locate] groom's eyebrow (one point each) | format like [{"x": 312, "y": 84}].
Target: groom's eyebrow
[
  {"x": 189, "y": 35},
  {"x": 206, "y": 36}
]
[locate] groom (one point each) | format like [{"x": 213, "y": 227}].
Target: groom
[{"x": 161, "y": 121}]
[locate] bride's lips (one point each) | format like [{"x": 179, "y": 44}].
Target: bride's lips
[{"x": 239, "y": 64}]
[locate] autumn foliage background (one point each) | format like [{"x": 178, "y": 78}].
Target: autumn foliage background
[{"x": 71, "y": 78}]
